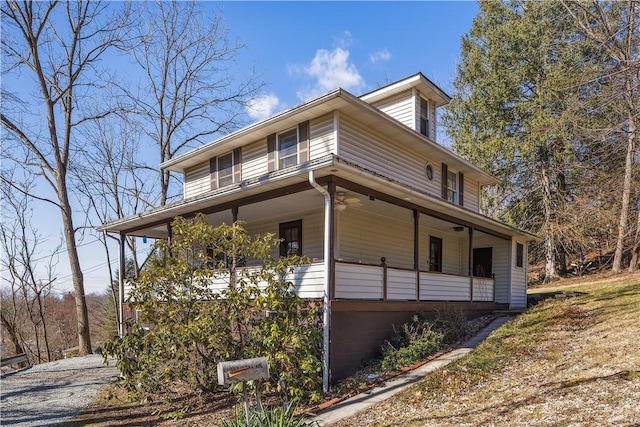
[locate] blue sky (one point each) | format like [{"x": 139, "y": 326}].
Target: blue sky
[{"x": 303, "y": 49}]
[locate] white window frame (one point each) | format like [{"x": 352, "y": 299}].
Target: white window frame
[
  {"x": 289, "y": 156},
  {"x": 219, "y": 169},
  {"x": 453, "y": 191},
  {"x": 422, "y": 116}
]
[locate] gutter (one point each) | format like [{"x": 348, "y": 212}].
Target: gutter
[{"x": 327, "y": 280}]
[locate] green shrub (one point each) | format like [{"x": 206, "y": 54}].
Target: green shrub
[
  {"x": 192, "y": 327},
  {"x": 422, "y": 337}
]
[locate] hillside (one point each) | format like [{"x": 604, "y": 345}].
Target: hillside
[{"x": 566, "y": 361}]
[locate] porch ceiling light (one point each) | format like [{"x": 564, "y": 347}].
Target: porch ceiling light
[{"x": 340, "y": 206}]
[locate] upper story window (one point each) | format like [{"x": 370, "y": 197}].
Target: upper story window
[
  {"x": 424, "y": 117},
  {"x": 452, "y": 187},
  {"x": 288, "y": 148},
  {"x": 225, "y": 170}
]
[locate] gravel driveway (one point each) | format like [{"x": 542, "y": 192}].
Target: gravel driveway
[{"x": 50, "y": 393}]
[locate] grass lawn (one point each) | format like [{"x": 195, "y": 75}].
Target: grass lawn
[
  {"x": 572, "y": 361},
  {"x": 567, "y": 361}
]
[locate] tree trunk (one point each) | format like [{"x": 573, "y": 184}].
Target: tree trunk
[
  {"x": 549, "y": 240},
  {"x": 13, "y": 333},
  {"x": 630, "y": 101},
  {"x": 84, "y": 337}
]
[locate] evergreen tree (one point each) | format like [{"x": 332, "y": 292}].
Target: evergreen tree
[{"x": 519, "y": 95}]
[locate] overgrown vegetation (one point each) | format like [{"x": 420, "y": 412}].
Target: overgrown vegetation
[
  {"x": 422, "y": 337},
  {"x": 186, "y": 326}
]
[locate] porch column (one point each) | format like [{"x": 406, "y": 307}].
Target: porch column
[
  {"x": 471, "y": 264},
  {"x": 121, "y": 286},
  {"x": 416, "y": 250}
]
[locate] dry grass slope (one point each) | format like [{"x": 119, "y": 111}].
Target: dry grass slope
[{"x": 573, "y": 361}]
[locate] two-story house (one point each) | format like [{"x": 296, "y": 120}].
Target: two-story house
[{"x": 389, "y": 218}]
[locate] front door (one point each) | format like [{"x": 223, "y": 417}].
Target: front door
[{"x": 482, "y": 264}]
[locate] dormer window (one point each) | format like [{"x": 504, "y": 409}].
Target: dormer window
[{"x": 424, "y": 117}]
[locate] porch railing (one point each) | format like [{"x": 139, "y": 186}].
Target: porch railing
[{"x": 360, "y": 281}]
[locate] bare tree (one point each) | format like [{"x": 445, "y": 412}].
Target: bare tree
[
  {"x": 58, "y": 45},
  {"x": 113, "y": 183},
  {"x": 188, "y": 91},
  {"x": 30, "y": 284},
  {"x": 615, "y": 27}
]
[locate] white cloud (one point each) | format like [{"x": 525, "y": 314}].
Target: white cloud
[
  {"x": 380, "y": 55},
  {"x": 329, "y": 70},
  {"x": 262, "y": 106}
]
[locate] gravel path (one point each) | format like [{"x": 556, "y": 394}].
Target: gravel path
[{"x": 50, "y": 393}]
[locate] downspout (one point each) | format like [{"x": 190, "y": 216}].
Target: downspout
[
  {"x": 327, "y": 280},
  {"x": 121, "y": 280}
]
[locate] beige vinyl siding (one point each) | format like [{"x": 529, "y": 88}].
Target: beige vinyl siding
[
  {"x": 197, "y": 180},
  {"x": 312, "y": 232},
  {"x": 401, "y": 107},
  {"x": 471, "y": 195},
  {"x": 371, "y": 151},
  {"x": 366, "y": 237},
  {"x": 321, "y": 139},
  {"x": 518, "y": 278},
  {"x": 254, "y": 160}
]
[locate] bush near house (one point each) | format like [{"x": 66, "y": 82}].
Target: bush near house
[
  {"x": 194, "y": 327},
  {"x": 422, "y": 337}
]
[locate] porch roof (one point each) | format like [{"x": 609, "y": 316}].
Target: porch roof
[{"x": 293, "y": 180}]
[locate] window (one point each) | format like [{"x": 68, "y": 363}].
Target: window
[
  {"x": 225, "y": 170},
  {"x": 519, "y": 255},
  {"x": 429, "y": 172},
  {"x": 424, "y": 117},
  {"x": 435, "y": 254},
  {"x": 288, "y": 148},
  {"x": 291, "y": 235},
  {"x": 452, "y": 187}
]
